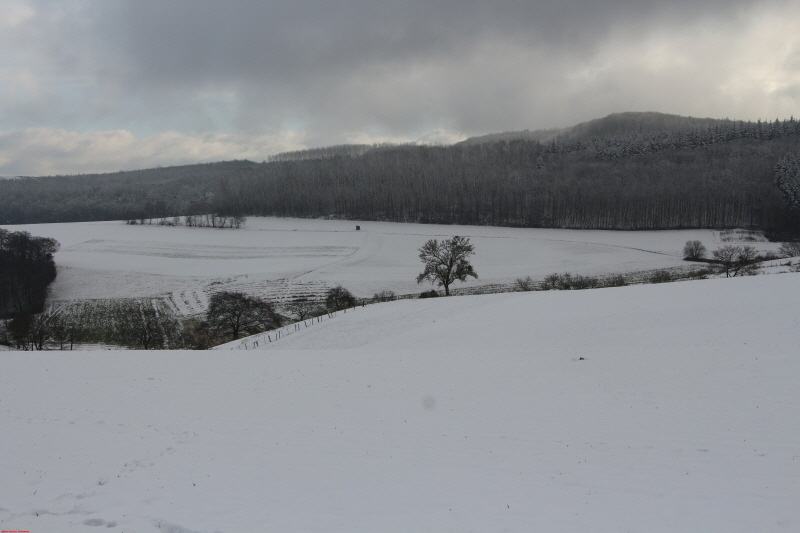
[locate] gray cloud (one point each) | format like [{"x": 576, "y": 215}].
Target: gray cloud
[
  {"x": 335, "y": 72},
  {"x": 48, "y": 151}
]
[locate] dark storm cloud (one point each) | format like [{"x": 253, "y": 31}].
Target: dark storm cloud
[
  {"x": 332, "y": 72},
  {"x": 327, "y": 63},
  {"x": 189, "y": 42}
]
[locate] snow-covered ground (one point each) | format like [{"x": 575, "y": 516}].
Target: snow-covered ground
[
  {"x": 648, "y": 408},
  {"x": 280, "y": 258}
]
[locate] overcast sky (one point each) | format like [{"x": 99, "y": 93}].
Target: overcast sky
[{"x": 105, "y": 85}]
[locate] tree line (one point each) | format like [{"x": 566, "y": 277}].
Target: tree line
[
  {"x": 26, "y": 270},
  {"x": 627, "y": 171},
  {"x": 130, "y": 195},
  {"x": 145, "y": 325},
  {"x": 206, "y": 220},
  {"x": 722, "y": 176}
]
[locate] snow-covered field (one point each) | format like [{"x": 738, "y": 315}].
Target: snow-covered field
[
  {"x": 280, "y": 258},
  {"x": 647, "y": 408}
]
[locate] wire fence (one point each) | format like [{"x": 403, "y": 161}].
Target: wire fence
[{"x": 262, "y": 340}]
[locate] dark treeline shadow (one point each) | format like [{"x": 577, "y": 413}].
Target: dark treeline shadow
[{"x": 26, "y": 270}]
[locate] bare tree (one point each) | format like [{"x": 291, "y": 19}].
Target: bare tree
[
  {"x": 31, "y": 332},
  {"x": 446, "y": 262},
  {"x": 694, "y": 251},
  {"x": 144, "y": 331},
  {"x": 339, "y": 298},
  {"x": 65, "y": 331},
  {"x": 230, "y": 314},
  {"x": 790, "y": 249},
  {"x": 736, "y": 260},
  {"x": 303, "y": 308}
]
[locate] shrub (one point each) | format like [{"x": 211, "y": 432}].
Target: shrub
[
  {"x": 524, "y": 284},
  {"x": 584, "y": 282},
  {"x": 551, "y": 282},
  {"x": 701, "y": 273},
  {"x": 660, "y": 276},
  {"x": 384, "y": 296},
  {"x": 568, "y": 282},
  {"x": 617, "y": 280},
  {"x": 429, "y": 294}
]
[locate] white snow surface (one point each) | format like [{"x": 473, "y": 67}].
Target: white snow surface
[
  {"x": 458, "y": 414},
  {"x": 281, "y": 258}
]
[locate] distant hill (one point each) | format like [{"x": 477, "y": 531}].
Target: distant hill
[
  {"x": 616, "y": 124},
  {"x": 612, "y": 125},
  {"x": 114, "y": 195},
  {"x": 541, "y": 136},
  {"x": 624, "y": 171}
]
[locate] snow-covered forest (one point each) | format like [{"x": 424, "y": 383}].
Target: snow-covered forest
[{"x": 627, "y": 171}]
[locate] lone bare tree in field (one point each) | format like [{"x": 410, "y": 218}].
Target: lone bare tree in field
[
  {"x": 694, "y": 251},
  {"x": 446, "y": 262},
  {"x": 736, "y": 260}
]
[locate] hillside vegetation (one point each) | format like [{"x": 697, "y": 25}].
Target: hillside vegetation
[
  {"x": 626, "y": 171},
  {"x": 113, "y": 196}
]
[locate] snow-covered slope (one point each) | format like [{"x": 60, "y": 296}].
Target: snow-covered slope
[
  {"x": 460, "y": 414},
  {"x": 282, "y": 257}
]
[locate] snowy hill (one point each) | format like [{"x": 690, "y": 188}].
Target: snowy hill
[
  {"x": 461, "y": 414},
  {"x": 626, "y": 123},
  {"x": 280, "y": 258}
]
